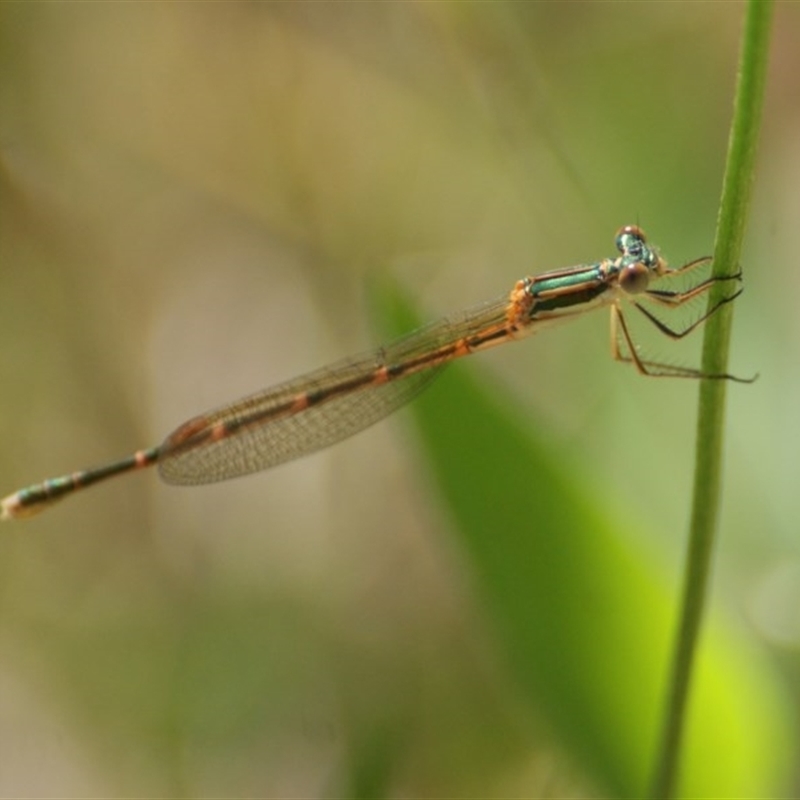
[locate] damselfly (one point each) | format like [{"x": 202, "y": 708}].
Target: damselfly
[{"x": 323, "y": 407}]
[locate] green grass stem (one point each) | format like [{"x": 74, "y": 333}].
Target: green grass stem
[{"x": 734, "y": 207}]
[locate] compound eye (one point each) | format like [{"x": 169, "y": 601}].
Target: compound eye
[
  {"x": 630, "y": 237},
  {"x": 635, "y": 231},
  {"x": 633, "y": 278}
]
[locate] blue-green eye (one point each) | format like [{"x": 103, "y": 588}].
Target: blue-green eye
[{"x": 631, "y": 240}]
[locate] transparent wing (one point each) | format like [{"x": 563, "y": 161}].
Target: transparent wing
[{"x": 320, "y": 408}]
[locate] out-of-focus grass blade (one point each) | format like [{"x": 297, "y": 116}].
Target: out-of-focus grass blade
[{"x": 585, "y": 619}]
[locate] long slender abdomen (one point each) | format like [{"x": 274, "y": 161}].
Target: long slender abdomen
[{"x": 33, "y": 499}]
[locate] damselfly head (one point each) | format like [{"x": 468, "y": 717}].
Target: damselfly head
[
  {"x": 631, "y": 241},
  {"x": 634, "y": 277}
]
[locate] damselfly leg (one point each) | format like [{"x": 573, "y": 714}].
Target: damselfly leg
[{"x": 669, "y": 300}]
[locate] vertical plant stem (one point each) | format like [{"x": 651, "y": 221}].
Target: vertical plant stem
[{"x": 734, "y": 208}]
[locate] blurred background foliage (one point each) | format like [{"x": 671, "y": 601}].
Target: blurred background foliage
[{"x": 476, "y": 597}]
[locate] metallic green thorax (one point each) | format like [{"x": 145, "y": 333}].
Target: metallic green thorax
[{"x": 582, "y": 286}]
